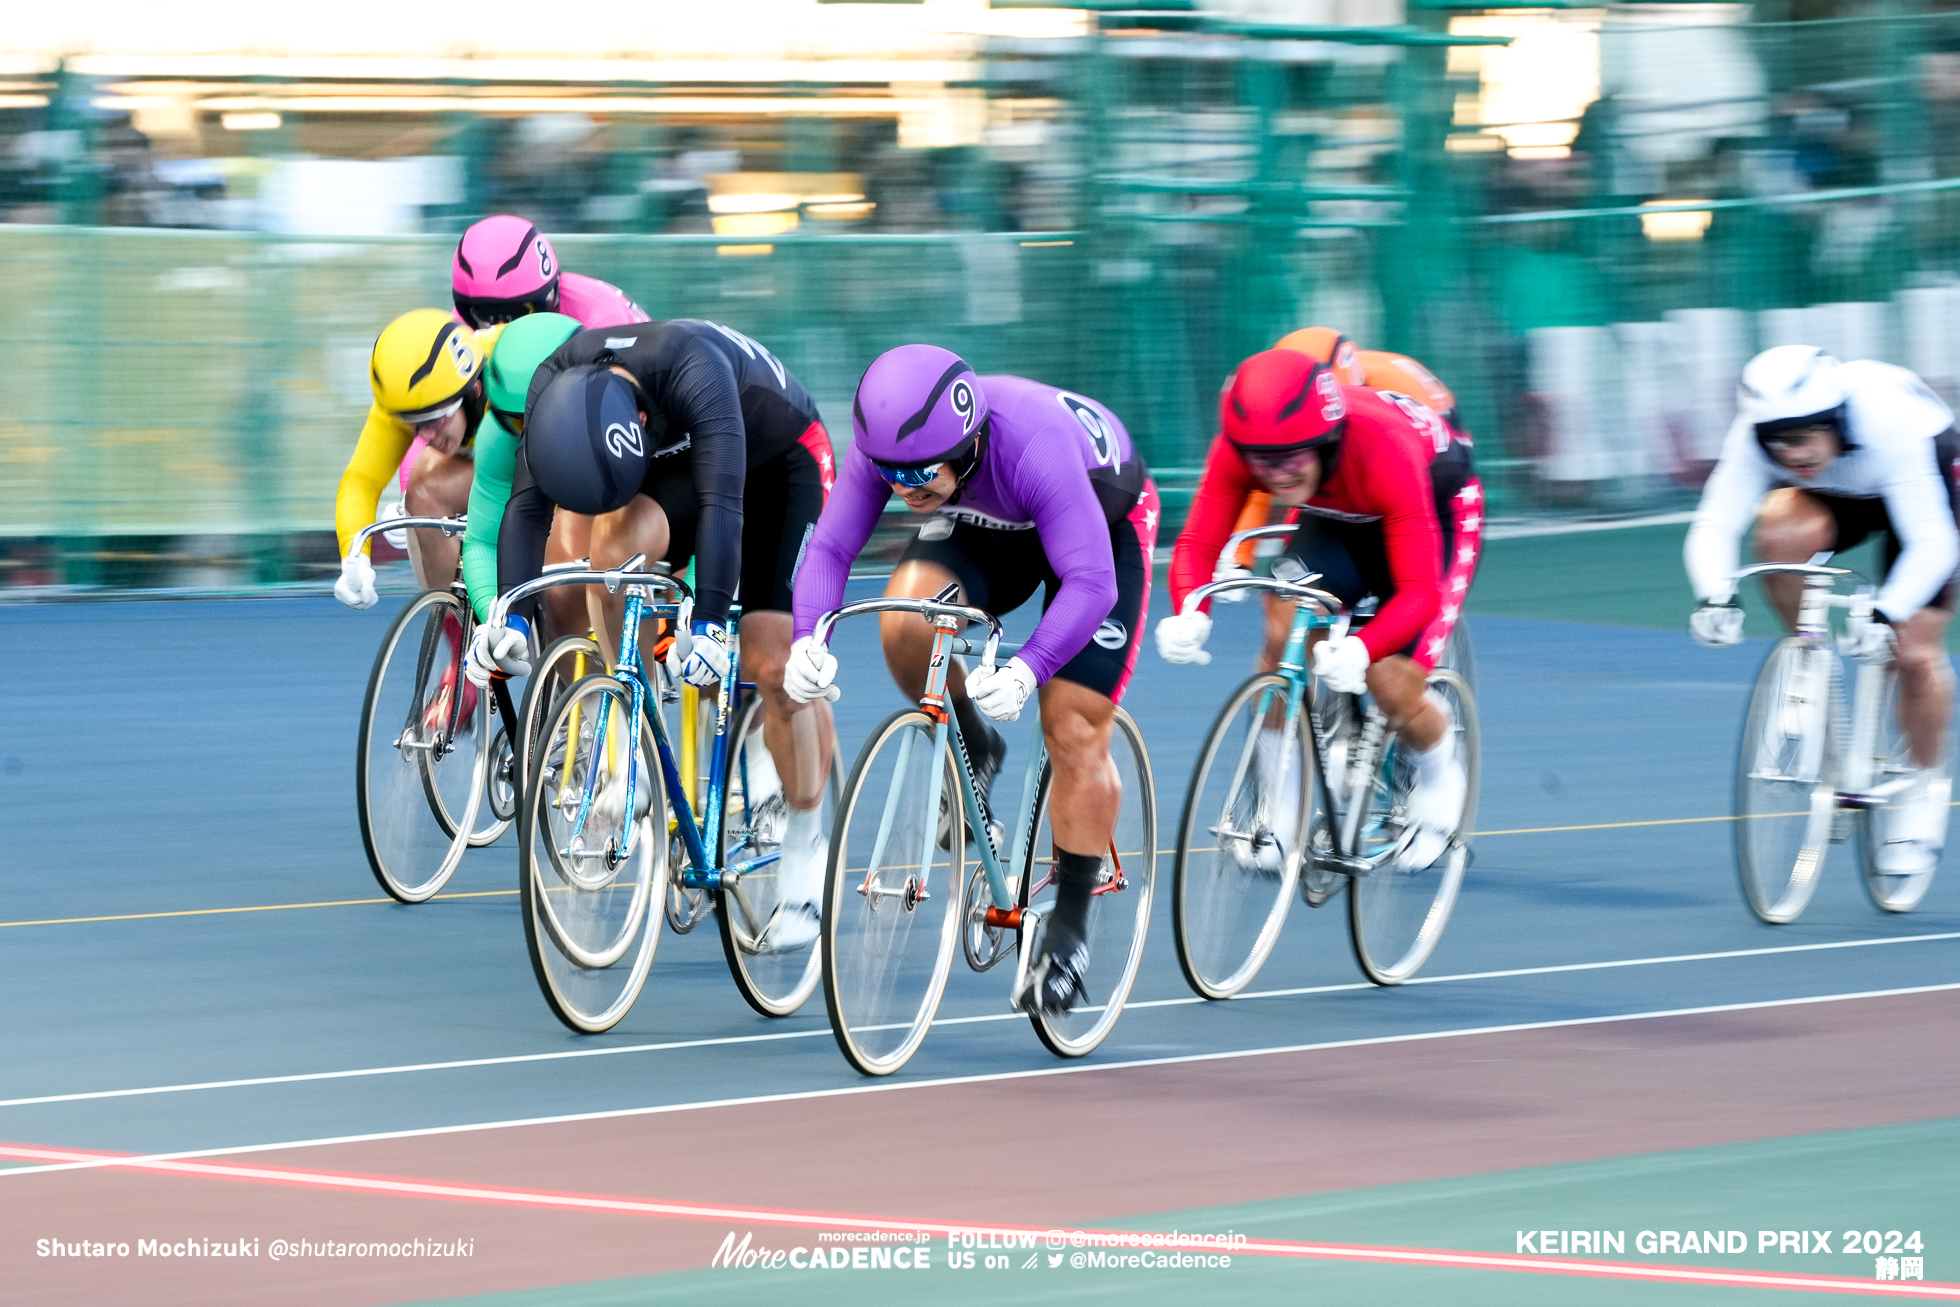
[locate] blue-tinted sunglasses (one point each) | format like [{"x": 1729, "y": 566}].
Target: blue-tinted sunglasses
[{"x": 911, "y": 478}]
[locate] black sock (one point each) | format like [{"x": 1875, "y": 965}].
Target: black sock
[{"x": 1076, "y": 875}]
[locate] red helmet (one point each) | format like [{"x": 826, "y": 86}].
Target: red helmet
[{"x": 1281, "y": 401}]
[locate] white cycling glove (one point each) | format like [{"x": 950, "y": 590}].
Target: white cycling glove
[
  {"x": 811, "y": 672},
  {"x": 355, "y": 588},
  {"x": 498, "y": 651},
  {"x": 1228, "y": 570},
  {"x": 1001, "y": 691},
  {"x": 1341, "y": 664},
  {"x": 1874, "y": 643},
  {"x": 1716, "y": 625},
  {"x": 1181, "y": 638},
  {"x": 701, "y": 659}
]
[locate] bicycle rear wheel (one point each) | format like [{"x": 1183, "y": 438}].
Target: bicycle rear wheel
[
  {"x": 1119, "y": 912},
  {"x": 591, "y": 920},
  {"x": 1232, "y": 881},
  {"x": 1893, "y": 765},
  {"x": 891, "y": 895},
  {"x": 1396, "y": 915},
  {"x": 1786, "y": 779},
  {"x": 754, "y": 814},
  {"x": 418, "y": 765}
]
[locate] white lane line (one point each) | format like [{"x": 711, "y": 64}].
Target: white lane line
[
  {"x": 724, "y": 1040},
  {"x": 889, "y": 1086}
]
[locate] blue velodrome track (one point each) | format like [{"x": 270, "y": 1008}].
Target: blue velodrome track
[{"x": 187, "y": 903}]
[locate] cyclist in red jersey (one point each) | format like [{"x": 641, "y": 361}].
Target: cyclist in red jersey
[{"x": 1388, "y": 506}]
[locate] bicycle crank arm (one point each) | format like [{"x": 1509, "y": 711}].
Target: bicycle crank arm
[
  {"x": 1029, "y": 920},
  {"x": 1876, "y": 798}
]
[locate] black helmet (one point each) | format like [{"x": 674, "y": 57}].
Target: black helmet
[{"x": 584, "y": 442}]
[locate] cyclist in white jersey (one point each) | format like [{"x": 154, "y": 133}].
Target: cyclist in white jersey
[{"x": 1821, "y": 455}]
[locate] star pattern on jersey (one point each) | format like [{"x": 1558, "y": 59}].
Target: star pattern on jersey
[
  {"x": 1466, "y": 553},
  {"x": 1450, "y": 612},
  {"x": 1436, "y": 647},
  {"x": 1471, "y": 523},
  {"x": 1470, "y": 494},
  {"x": 1150, "y": 520},
  {"x": 1460, "y": 584}
]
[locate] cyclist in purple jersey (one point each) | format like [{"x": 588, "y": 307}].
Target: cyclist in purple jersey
[{"x": 1022, "y": 485}]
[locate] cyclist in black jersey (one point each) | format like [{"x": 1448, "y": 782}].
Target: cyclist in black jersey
[{"x": 687, "y": 440}]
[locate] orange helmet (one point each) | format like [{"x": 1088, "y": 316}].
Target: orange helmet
[
  {"x": 1282, "y": 401},
  {"x": 1330, "y": 347},
  {"x": 1402, "y": 374}
]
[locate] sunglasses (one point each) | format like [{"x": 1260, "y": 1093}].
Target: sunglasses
[
  {"x": 488, "y": 313},
  {"x": 1260, "y": 460},
  {"x": 909, "y": 478},
  {"x": 428, "y": 417}
]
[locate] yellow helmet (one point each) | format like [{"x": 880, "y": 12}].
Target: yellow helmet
[{"x": 422, "y": 364}]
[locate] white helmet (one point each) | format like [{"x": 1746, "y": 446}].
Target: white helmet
[{"x": 1792, "y": 386}]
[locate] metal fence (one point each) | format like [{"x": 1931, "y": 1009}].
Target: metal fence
[{"x": 1588, "y": 268}]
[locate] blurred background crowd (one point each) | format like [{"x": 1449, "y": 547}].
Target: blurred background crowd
[{"x": 1583, "y": 218}]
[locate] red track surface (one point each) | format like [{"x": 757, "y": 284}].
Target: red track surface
[{"x": 1298, "y": 1123}]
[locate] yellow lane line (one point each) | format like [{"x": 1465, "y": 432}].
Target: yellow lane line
[
  {"x": 496, "y": 893},
  {"x": 266, "y": 907}
]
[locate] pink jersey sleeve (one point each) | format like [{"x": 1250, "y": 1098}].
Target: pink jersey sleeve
[{"x": 596, "y": 303}]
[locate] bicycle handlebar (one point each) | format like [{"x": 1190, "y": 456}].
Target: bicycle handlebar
[
  {"x": 1256, "y": 533},
  {"x": 627, "y": 574},
  {"x": 1291, "y": 589},
  {"x": 928, "y": 608},
  {"x": 449, "y": 526},
  {"x": 1801, "y": 569}
]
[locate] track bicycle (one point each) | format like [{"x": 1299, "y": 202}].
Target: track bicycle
[
  {"x": 900, "y": 895},
  {"x": 432, "y": 777},
  {"x": 1296, "y": 784},
  {"x": 1805, "y": 776},
  {"x": 588, "y": 874}
]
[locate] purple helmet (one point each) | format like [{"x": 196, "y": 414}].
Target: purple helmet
[
  {"x": 503, "y": 269},
  {"x": 919, "y": 404}
]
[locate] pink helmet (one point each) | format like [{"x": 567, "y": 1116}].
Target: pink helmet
[{"x": 504, "y": 269}]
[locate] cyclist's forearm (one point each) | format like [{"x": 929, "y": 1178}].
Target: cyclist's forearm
[{"x": 496, "y": 454}]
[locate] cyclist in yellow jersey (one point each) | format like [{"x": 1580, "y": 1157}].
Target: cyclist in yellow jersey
[{"x": 426, "y": 371}]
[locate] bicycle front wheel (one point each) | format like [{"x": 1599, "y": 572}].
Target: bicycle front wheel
[
  {"x": 1892, "y": 766},
  {"x": 588, "y": 888},
  {"x": 891, "y": 895},
  {"x": 1238, "y": 853},
  {"x": 418, "y": 765},
  {"x": 1786, "y": 779},
  {"x": 753, "y": 817},
  {"x": 1396, "y": 914},
  {"x": 1119, "y": 911}
]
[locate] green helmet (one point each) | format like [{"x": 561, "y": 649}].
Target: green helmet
[{"x": 523, "y": 345}]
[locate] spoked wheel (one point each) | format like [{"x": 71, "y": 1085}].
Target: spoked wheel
[
  {"x": 590, "y": 902},
  {"x": 1119, "y": 912},
  {"x": 1396, "y": 914},
  {"x": 1237, "y": 848},
  {"x": 418, "y": 769},
  {"x": 1786, "y": 779},
  {"x": 1893, "y": 768},
  {"x": 891, "y": 894},
  {"x": 566, "y": 662},
  {"x": 754, "y": 815}
]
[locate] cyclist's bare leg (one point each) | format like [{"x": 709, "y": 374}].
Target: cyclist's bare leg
[
  {"x": 1791, "y": 527},
  {"x": 564, "y": 607},
  {"x": 1082, "y": 806},
  {"x": 1925, "y": 683},
  {"x": 639, "y": 528},
  {"x": 800, "y": 736},
  {"x": 438, "y": 486},
  {"x": 1279, "y": 626},
  {"x": 1397, "y": 683},
  {"x": 907, "y": 637}
]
